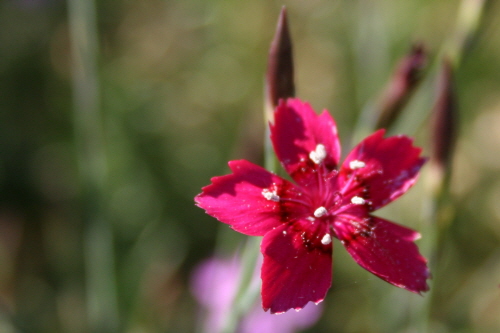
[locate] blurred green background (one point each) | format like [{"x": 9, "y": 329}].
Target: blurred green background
[{"x": 111, "y": 121}]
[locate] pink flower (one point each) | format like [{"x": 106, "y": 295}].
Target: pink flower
[
  {"x": 214, "y": 284},
  {"x": 299, "y": 220}
]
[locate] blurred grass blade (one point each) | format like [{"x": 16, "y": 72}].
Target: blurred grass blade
[
  {"x": 468, "y": 23},
  {"x": 102, "y": 309},
  {"x": 443, "y": 209}
]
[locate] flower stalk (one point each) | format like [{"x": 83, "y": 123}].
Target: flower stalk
[
  {"x": 444, "y": 133},
  {"x": 444, "y": 130},
  {"x": 279, "y": 84}
]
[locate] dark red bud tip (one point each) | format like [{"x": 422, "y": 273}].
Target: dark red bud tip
[
  {"x": 412, "y": 66},
  {"x": 444, "y": 117},
  {"x": 279, "y": 77},
  {"x": 405, "y": 79}
]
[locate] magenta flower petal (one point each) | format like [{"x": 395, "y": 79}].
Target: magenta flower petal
[
  {"x": 381, "y": 169},
  {"x": 297, "y": 131},
  {"x": 294, "y": 272},
  {"x": 247, "y": 199},
  {"x": 387, "y": 250}
]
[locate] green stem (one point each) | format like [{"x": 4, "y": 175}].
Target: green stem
[
  {"x": 102, "y": 305},
  {"x": 435, "y": 231},
  {"x": 468, "y": 22},
  {"x": 248, "y": 288},
  {"x": 467, "y": 26}
]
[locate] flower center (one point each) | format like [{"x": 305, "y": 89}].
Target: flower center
[{"x": 328, "y": 206}]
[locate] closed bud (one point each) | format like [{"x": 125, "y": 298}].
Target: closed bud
[
  {"x": 279, "y": 76},
  {"x": 444, "y": 118},
  {"x": 401, "y": 86}
]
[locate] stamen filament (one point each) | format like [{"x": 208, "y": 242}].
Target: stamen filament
[{"x": 349, "y": 184}]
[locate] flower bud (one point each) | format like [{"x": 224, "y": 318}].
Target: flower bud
[
  {"x": 444, "y": 115},
  {"x": 405, "y": 79},
  {"x": 279, "y": 76}
]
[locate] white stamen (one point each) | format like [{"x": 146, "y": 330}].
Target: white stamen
[
  {"x": 327, "y": 239},
  {"x": 358, "y": 200},
  {"x": 270, "y": 195},
  {"x": 284, "y": 232},
  {"x": 355, "y": 164},
  {"x": 320, "y": 211},
  {"x": 318, "y": 155}
]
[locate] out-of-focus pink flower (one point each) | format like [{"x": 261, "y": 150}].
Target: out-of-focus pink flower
[
  {"x": 264, "y": 322},
  {"x": 298, "y": 221},
  {"x": 214, "y": 284}
]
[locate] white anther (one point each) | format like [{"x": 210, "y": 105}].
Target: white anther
[
  {"x": 358, "y": 200},
  {"x": 318, "y": 155},
  {"x": 327, "y": 239},
  {"x": 320, "y": 211},
  {"x": 270, "y": 195},
  {"x": 355, "y": 164}
]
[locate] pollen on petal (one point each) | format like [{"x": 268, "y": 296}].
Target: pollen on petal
[
  {"x": 358, "y": 200},
  {"x": 327, "y": 239},
  {"x": 270, "y": 195},
  {"x": 319, "y": 154},
  {"x": 321, "y": 211},
  {"x": 356, "y": 164}
]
